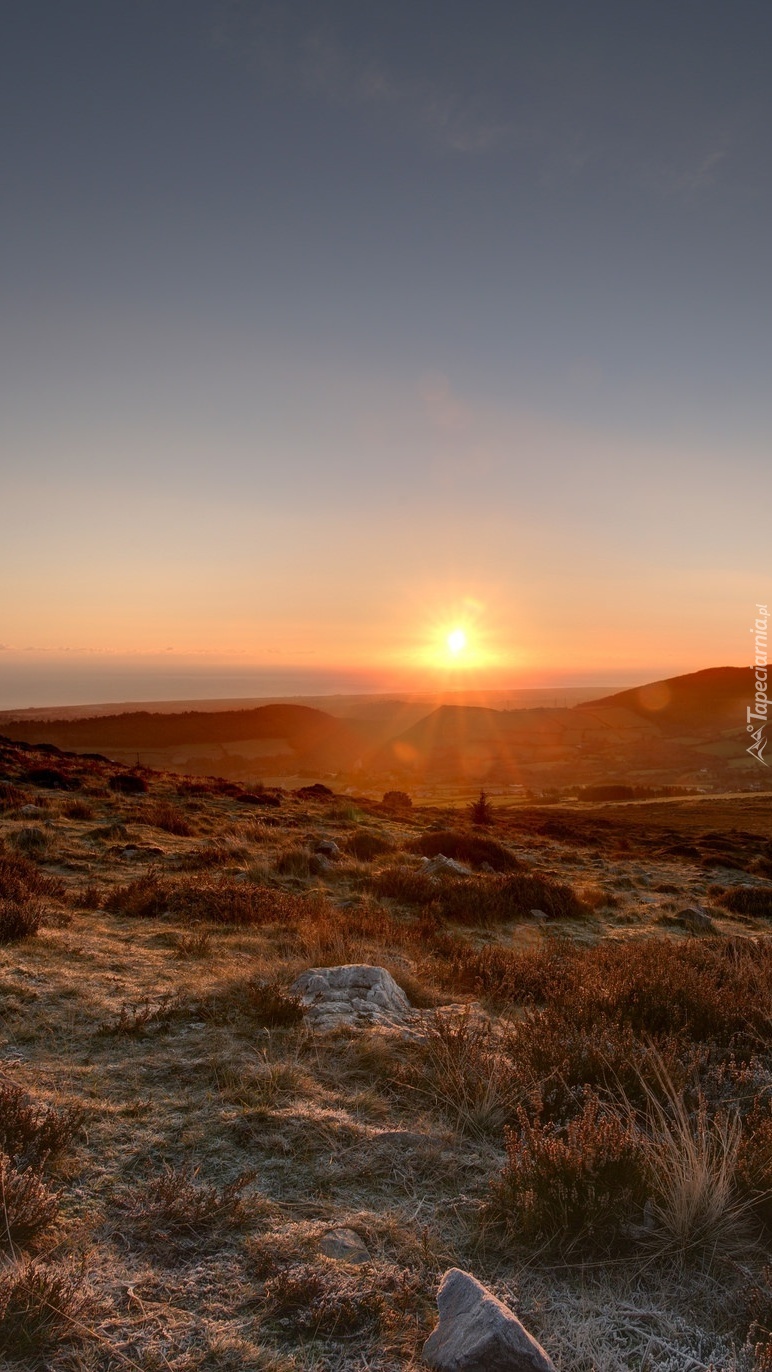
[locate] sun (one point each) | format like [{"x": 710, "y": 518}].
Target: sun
[{"x": 456, "y": 641}]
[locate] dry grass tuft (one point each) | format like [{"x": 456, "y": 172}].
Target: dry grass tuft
[{"x": 19, "y": 921}]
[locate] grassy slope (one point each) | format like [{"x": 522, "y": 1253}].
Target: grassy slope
[{"x": 149, "y": 1026}]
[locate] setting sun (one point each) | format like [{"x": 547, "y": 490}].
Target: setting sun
[{"x": 456, "y": 641}]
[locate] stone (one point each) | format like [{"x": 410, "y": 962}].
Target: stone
[
  {"x": 345, "y": 1245},
  {"x": 328, "y": 848},
  {"x": 444, "y": 866},
  {"x": 478, "y": 1333},
  {"x": 319, "y": 865},
  {"x": 694, "y": 919},
  {"x": 539, "y": 915},
  {"x": 355, "y": 994}
]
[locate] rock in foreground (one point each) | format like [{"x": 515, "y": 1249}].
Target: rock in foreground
[
  {"x": 354, "y": 994},
  {"x": 477, "y": 1333}
]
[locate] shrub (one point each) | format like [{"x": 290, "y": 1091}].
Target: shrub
[
  {"x": 575, "y": 1183},
  {"x": 748, "y": 900},
  {"x": 128, "y": 784},
  {"x": 31, "y": 840},
  {"x": 711, "y": 991},
  {"x": 324, "y": 1301},
  {"x": 405, "y": 884},
  {"x": 40, "y": 1304},
  {"x": 11, "y": 798},
  {"x": 32, "y": 1131},
  {"x": 754, "y": 1161},
  {"x": 136, "y": 1017},
  {"x": 167, "y": 817},
  {"x": 20, "y": 879},
  {"x": 242, "y": 903},
  {"x": 19, "y": 920},
  {"x": 220, "y": 853},
  {"x": 267, "y": 799},
  {"x": 465, "y": 1073},
  {"x": 175, "y": 1213},
  {"x": 294, "y": 862},
  {"x": 27, "y": 1205},
  {"x": 365, "y": 845},
  {"x": 470, "y": 848},
  {"x": 264, "y": 1003},
  {"x": 197, "y": 945},
  {"x": 89, "y": 898},
  {"x": 146, "y": 897},
  {"x": 397, "y": 800},
  {"x": 52, "y": 779},
  {"x": 271, "y": 1005},
  {"x": 77, "y": 809},
  {"x": 491, "y": 900}
]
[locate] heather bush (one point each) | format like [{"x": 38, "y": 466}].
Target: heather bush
[
  {"x": 41, "y": 1304},
  {"x": 470, "y": 848},
  {"x": 28, "y": 1206},
  {"x": 146, "y": 897},
  {"x": 19, "y": 919},
  {"x": 577, "y": 1183},
  {"x": 11, "y": 797},
  {"x": 408, "y": 885},
  {"x": 32, "y": 1131},
  {"x": 493, "y": 900},
  {"x": 168, "y": 818},
  {"x": 711, "y": 990},
  {"x": 128, "y": 784},
  {"x": 177, "y": 1215},
  {"x": 220, "y": 853},
  {"x": 224, "y": 901},
  {"x": 294, "y": 862},
  {"x": 255, "y": 1002},
  {"x": 323, "y": 1300},
  {"x": 77, "y": 809},
  {"x": 52, "y": 779},
  {"x": 748, "y": 900},
  {"x": 33, "y": 841},
  {"x": 364, "y": 845}
]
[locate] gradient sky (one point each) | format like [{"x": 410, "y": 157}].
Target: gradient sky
[{"x": 327, "y": 326}]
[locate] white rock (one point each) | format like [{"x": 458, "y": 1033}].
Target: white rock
[
  {"x": 444, "y": 866},
  {"x": 352, "y": 994},
  {"x": 478, "y": 1333}
]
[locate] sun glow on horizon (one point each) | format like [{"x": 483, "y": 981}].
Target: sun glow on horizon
[{"x": 457, "y": 641}]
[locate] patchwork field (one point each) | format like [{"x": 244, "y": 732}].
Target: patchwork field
[{"x": 577, "y": 1109}]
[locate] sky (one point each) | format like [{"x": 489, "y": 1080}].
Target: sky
[{"x": 328, "y": 329}]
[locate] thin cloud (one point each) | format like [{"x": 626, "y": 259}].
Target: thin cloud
[
  {"x": 314, "y": 60},
  {"x": 702, "y": 173}
]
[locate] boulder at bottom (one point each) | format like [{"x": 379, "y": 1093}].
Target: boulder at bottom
[{"x": 477, "y": 1333}]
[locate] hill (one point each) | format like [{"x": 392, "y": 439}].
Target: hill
[
  {"x": 234, "y": 743},
  {"x": 686, "y": 730}
]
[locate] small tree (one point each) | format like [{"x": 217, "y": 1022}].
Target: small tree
[{"x": 481, "y": 811}]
